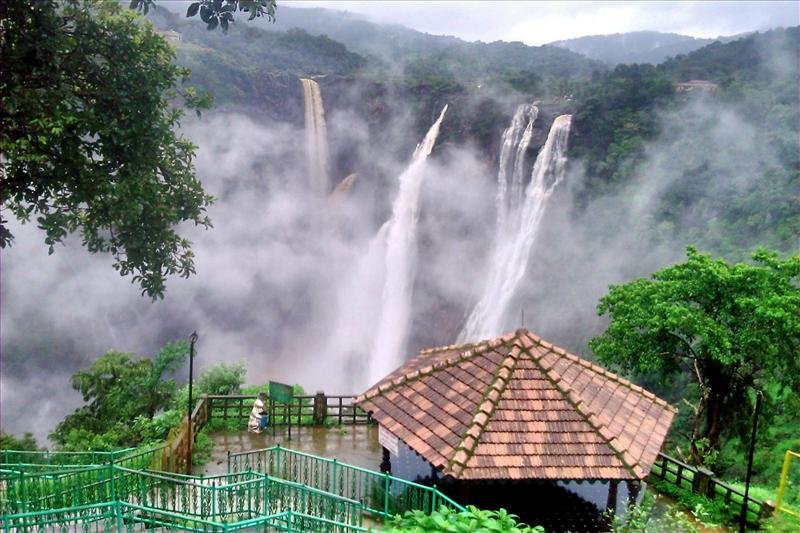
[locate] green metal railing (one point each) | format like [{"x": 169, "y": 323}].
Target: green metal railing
[
  {"x": 47, "y": 461},
  {"x": 188, "y": 503},
  {"x": 124, "y": 517},
  {"x": 380, "y": 494}
]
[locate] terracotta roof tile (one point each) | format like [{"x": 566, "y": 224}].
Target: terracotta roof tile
[{"x": 516, "y": 407}]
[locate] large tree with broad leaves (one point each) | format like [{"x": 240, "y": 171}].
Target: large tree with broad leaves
[{"x": 731, "y": 328}]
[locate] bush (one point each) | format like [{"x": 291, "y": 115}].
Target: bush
[
  {"x": 473, "y": 519},
  {"x": 651, "y": 515},
  {"x": 222, "y": 379},
  {"x": 10, "y": 442}
]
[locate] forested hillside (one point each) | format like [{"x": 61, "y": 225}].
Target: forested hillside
[
  {"x": 625, "y": 116},
  {"x": 636, "y": 47}
]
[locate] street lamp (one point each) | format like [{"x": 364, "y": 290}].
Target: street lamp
[
  {"x": 743, "y": 515},
  {"x": 192, "y": 340}
]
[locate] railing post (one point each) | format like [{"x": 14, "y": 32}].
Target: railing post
[
  {"x": 333, "y": 484},
  {"x": 118, "y": 516},
  {"x": 214, "y": 496},
  {"x": 278, "y": 460},
  {"x": 784, "y": 475},
  {"x": 765, "y": 511},
  {"x": 701, "y": 483},
  {"x": 433, "y": 500},
  {"x": 386, "y": 494},
  {"x": 320, "y": 408}
]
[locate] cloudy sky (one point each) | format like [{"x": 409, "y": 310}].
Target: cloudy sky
[{"x": 542, "y": 22}]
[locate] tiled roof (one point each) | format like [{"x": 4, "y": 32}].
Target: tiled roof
[{"x": 517, "y": 407}]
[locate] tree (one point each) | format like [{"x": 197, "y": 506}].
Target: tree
[
  {"x": 87, "y": 135},
  {"x": 219, "y": 12},
  {"x": 731, "y": 328},
  {"x": 10, "y": 442},
  {"x": 119, "y": 390}
]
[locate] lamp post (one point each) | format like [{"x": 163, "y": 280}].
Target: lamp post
[
  {"x": 743, "y": 515},
  {"x": 190, "y": 441}
]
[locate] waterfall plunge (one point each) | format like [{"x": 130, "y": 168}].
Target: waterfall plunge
[
  {"x": 517, "y": 224},
  {"x": 316, "y": 136},
  {"x": 374, "y": 302},
  {"x": 401, "y": 240}
]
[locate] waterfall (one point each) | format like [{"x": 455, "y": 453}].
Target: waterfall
[
  {"x": 374, "y": 301},
  {"x": 516, "y": 139},
  {"x": 518, "y": 231},
  {"x": 316, "y": 136},
  {"x": 395, "y": 314}
]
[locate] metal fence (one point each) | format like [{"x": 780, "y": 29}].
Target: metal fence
[
  {"x": 380, "y": 494},
  {"x": 124, "y": 517},
  {"x": 95, "y": 495}
]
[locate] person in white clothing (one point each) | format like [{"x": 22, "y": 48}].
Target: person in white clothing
[{"x": 258, "y": 416}]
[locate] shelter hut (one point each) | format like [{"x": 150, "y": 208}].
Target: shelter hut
[{"x": 516, "y": 422}]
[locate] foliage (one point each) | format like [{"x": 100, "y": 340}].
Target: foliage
[
  {"x": 651, "y": 515},
  {"x": 124, "y": 396},
  {"x": 10, "y": 442},
  {"x": 473, "y": 519},
  {"x": 222, "y": 378},
  {"x": 219, "y": 12},
  {"x": 203, "y": 446},
  {"x": 616, "y": 114},
  {"x": 87, "y": 133},
  {"x": 710, "y": 512},
  {"x": 731, "y": 327},
  {"x": 224, "y": 425},
  {"x": 781, "y": 523},
  {"x": 710, "y": 192}
]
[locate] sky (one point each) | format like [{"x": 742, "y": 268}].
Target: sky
[{"x": 536, "y": 23}]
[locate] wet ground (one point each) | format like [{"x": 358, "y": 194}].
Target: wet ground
[{"x": 355, "y": 445}]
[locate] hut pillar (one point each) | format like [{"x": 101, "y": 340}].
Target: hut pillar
[
  {"x": 386, "y": 463},
  {"x": 611, "y": 503}
]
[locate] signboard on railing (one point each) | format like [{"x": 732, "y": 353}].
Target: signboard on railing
[
  {"x": 388, "y": 440},
  {"x": 280, "y": 393}
]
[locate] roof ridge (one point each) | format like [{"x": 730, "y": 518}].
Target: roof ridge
[
  {"x": 487, "y": 405},
  {"x": 599, "y": 428},
  {"x": 474, "y": 351}
]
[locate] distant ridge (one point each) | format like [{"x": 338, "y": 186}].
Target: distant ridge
[{"x": 637, "y": 47}]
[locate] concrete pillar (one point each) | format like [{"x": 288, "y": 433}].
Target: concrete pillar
[
  {"x": 766, "y": 511},
  {"x": 320, "y": 408},
  {"x": 702, "y": 481}
]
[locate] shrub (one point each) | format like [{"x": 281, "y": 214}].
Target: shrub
[{"x": 473, "y": 519}]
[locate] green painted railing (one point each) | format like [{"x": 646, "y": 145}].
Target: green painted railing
[
  {"x": 125, "y": 517},
  {"x": 49, "y": 461},
  {"x": 219, "y": 499},
  {"x": 380, "y": 494}
]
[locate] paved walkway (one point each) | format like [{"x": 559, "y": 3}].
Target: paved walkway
[{"x": 356, "y": 445}]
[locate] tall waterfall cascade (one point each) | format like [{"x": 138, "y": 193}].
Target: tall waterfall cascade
[
  {"x": 515, "y": 142},
  {"x": 401, "y": 254},
  {"x": 374, "y": 301},
  {"x": 518, "y": 218},
  {"x": 316, "y": 136}
]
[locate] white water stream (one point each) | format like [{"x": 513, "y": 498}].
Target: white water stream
[
  {"x": 401, "y": 254},
  {"x": 316, "y": 136},
  {"x": 518, "y": 221}
]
